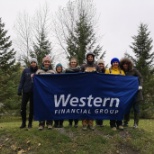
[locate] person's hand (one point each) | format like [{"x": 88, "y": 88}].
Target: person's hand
[{"x": 140, "y": 88}]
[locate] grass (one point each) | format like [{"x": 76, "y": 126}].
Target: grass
[{"x": 74, "y": 140}]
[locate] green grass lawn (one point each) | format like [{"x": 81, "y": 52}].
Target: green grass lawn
[{"x": 74, "y": 140}]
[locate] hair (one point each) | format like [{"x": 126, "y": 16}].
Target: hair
[
  {"x": 73, "y": 58},
  {"x": 128, "y": 61}
]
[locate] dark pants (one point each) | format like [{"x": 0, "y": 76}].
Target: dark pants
[
  {"x": 136, "y": 109},
  {"x": 115, "y": 123},
  {"x": 48, "y": 122},
  {"x": 25, "y": 98},
  {"x": 58, "y": 123},
  {"x": 71, "y": 121},
  {"x": 99, "y": 122}
]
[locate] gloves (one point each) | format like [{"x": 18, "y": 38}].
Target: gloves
[
  {"x": 19, "y": 93},
  {"x": 140, "y": 88}
]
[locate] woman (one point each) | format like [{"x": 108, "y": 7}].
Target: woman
[
  {"x": 127, "y": 67},
  {"x": 45, "y": 69},
  {"x": 59, "y": 70},
  {"x": 73, "y": 68},
  {"x": 115, "y": 69}
]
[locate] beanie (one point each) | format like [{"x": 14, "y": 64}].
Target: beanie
[
  {"x": 100, "y": 61},
  {"x": 114, "y": 60},
  {"x": 46, "y": 58},
  {"x": 33, "y": 60},
  {"x": 59, "y": 65}
]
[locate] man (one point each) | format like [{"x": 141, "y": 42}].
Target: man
[
  {"x": 90, "y": 66},
  {"x": 26, "y": 90}
]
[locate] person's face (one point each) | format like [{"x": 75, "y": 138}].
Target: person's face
[
  {"x": 33, "y": 64},
  {"x": 125, "y": 66},
  {"x": 90, "y": 58},
  {"x": 46, "y": 64},
  {"x": 101, "y": 65},
  {"x": 59, "y": 69},
  {"x": 73, "y": 63},
  {"x": 115, "y": 64}
]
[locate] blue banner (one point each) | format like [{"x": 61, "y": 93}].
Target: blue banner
[{"x": 83, "y": 96}]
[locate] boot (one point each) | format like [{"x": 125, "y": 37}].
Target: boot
[
  {"x": 30, "y": 122},
  {"x": 23, "y": 116},
  {"x": 23, "y": 125}
]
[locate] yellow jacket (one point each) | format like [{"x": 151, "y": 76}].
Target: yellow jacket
[{"x": 116, "y": 71}]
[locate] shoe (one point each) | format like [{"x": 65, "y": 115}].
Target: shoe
[
  {"x": 70, "y": 125},
  {"x": 121, "y": 127},
  {"x": 23, "y": 126},
  {"x": 125, "y": 125},
  {"x": 49, "y": 126},
  {"x": 84, "y": 128},
  {"x": 41, "y": 127},
  {"x": 135, "y": 126},
  {"x": 60, "y": 126},
  {"x": 114, "y": 128},
  {"x": 29, "y": 125},
  {"x": 91, "y": 127},
  {"x": 75, "y": 125}
]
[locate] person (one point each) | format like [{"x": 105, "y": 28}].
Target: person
[
  {"x": 73, "y": 68},
  {"x": 128, "y": 68},
  {"x": 101, "y": 66},
  {"x": 90, "y": 66},
  {"x": 45, "y": 69},
  {"x": 115, "y": 69},
  {"x": 58, "y": 123},
  {"x": 25, "y": 89}
]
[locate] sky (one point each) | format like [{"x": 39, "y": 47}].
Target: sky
[{"x": 118, "y": 20}]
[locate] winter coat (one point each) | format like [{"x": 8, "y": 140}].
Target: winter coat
[
  {"x": 90, "y": 68},
  {"x": 114, "y": 71},
  {"x": 42, "y": 71},
  {"x": 73, "y": 70},
  {"x": 26, "y": 80},
  {"x": 133, "y": 72}
]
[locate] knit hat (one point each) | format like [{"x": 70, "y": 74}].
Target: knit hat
[
  {"x": 33, "y": 60},
  {"x": 100, "y": 61},
  {"x": 46, "y": 58},
  {"x": 59, "y": 65},
  {"x": 114, "y": 60}
]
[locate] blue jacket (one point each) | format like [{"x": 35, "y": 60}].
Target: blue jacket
[{"x": 26, "y": 80}]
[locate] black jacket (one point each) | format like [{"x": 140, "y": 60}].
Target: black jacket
[{"x": 26, "y": 80}]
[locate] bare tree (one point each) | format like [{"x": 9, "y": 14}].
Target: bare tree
[
  {"x": 66, "y": 21},
  {"x": 23, "y": 41}
]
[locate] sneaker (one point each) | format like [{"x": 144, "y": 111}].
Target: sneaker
[
  {"x": 125, "y": 125},
  {"x": 121, "y": 127},
  {"x": 91, "y": 127},
  {"x": 135, "y": 126},
  {"x": 70, "y": 125},
  {"x": 41, "y": 127},
  {"x": 75, "y": 125},
  {"x": 84, "y": 128},
  {"x": 49, "y": 126},
  {"x": 114, "y": 128}
]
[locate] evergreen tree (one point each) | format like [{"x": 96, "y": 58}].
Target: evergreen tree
[
  {"x": 142, "y": 47},
  {"x": 7, "y": 58},
  {"x": 83, "y": 40},
  {"x": 42, "y": 47},
  {"x": 9, "y": 73}
]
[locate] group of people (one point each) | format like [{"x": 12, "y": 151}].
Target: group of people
[{"x": 122, "y": 67}]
